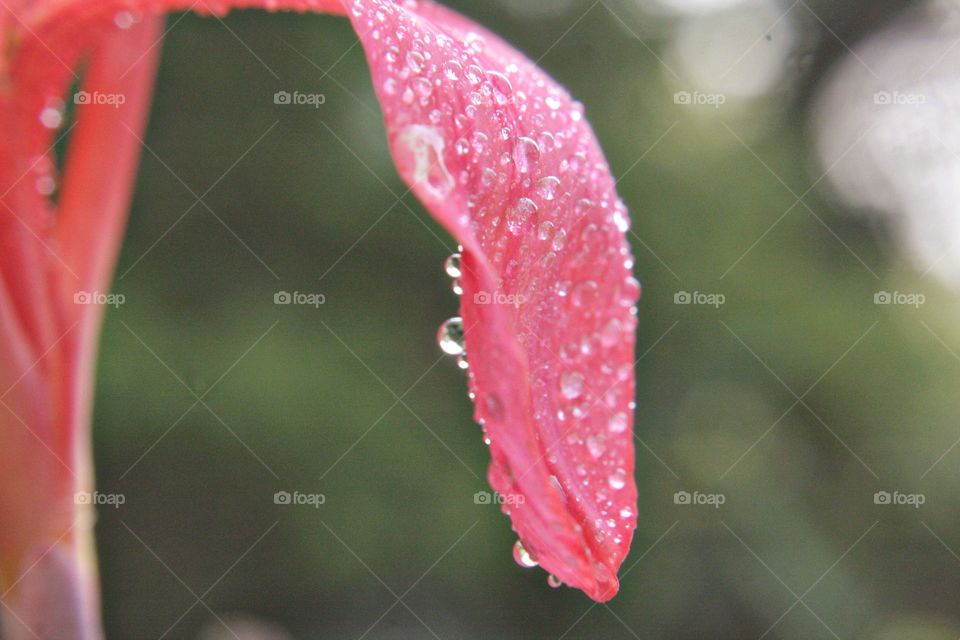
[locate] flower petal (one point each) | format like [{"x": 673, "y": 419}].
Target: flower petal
[{"x": 503, "y": 157}]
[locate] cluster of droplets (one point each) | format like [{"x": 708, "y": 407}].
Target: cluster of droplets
[
  {"x": 51, "y": 116},
  {"x": 450, "y": 336},
  {"x": 525, "y": 559}
]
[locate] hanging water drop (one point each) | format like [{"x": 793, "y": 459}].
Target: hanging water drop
[
  {"x": 522, "y": 556},
  {"x": 462, "y": 361},
  {"x": 456, "y": 286},
  {"x": 554, "y": 582},
  {"x": 450, "y": 336},
  {"x": 452, "y": 266}
]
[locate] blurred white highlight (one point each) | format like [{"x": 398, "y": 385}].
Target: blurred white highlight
[{"x": 887, "y": 125}]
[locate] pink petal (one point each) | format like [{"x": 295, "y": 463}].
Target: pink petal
[
  {"x": 505, "y": 160},
  {"x": 47, "y": 343},
  {"x": 503, "y": 157}
]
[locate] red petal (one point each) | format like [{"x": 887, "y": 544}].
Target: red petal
[
  {"x": 47, "y": 342},
  {"x": 502, "y": 156}
]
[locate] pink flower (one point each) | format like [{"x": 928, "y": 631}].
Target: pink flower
[{"x": 495, "y": 149}]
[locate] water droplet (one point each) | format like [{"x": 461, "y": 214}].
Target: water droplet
[
  {"x": 479, "y": 141},
  {"x": 595, "y": 446},
  {"x": 526, "y": 155},
  {"x": 457, "y": 287},
  {"x": 626, "y": 512},
  {"x": 415, "y": 61},
  {"x": 518, "y": 215},
  {"x": 424, "y": 144},
  {"x": 545, "y": 230},
  {"x": 547, "y": 187},
  {"x": 450, "y": 336},
  {"x": 559, "y": 240},
  {"x": 423, "y": 87},
  {"x": 51, "y": 117},
  {"x": 462, "y": 361},
  {"x": 571, "y": 385},
  {"x": 502, "y": 89},
  {"x": 554, "y": 581},
  {"x": 522, "y": 556},
  {"x": 610, "y": 333},
  {"x": 452, "y": 69},
  {"x": 452, "y": 265},
  {"x": 124, "y": 19},
  {"x": 631, "y": 291},
  {"x": 617, "y": 480},
  {"x": 553, "y": 102},
  {"x": 488, "y": 177},
  {"x": 622, "y": 220},
  {"x": 46, "y": 185},
  {"x": 583, "y": 206},
  {"x": 617, "y": 423},
  {"x": 474, "y": 74}
]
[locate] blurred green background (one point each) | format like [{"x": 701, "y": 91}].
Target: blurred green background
[{"x": 796, "y": 400}]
